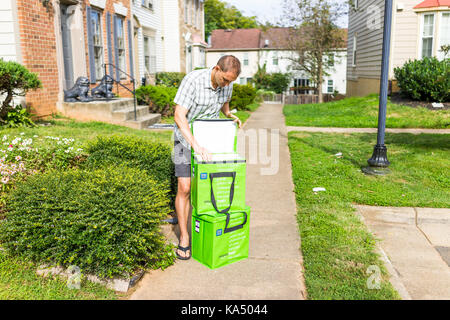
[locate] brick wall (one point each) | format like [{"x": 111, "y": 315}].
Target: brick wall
[{"x": 38, "y": 45}]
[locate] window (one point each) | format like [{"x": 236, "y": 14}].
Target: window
[
  {"x": 330, "y": 88},
  {"x": 245, "y": 58},
  {"x": 97, "y": 43},
  {"x": 275, "y": 59},
  {"x": 427, "y": 35},
  {"x": 355, "y": 2},
  {"x": 149, "y": 55},
  {"x": 354, "y": 52},
  {"x": 444, "y": 32},
  {"x": 241, "y": 80},
  {"x": 331, "y": 60},
  {"x": 202, "y": 58},
  {"x": 120, "y": 43},
  {"x": 147, "y": 4},
  {"x": 196, "y": 13},
  {"x": 186, "y": 11}
]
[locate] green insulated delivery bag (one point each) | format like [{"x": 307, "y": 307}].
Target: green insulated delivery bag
[
  {"x": 218, "y": 185},
  {"x": 222, "y": 239}
]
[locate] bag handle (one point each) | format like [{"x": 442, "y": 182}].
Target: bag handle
[
  {"x": 239, "y": 226},
  {"x": 213, "y": 175}
]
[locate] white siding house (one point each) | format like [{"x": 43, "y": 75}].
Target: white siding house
[
  {"x": 419, "y": 28},
  {"x": 148, "y": 32},
  {"x": 255, "y": 48}
]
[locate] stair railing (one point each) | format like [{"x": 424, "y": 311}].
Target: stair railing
[{"x": 133, "y": 92}]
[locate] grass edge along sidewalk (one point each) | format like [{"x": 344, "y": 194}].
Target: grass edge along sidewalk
[
  {"x": 338, "y": 250},
  {"x": 362, "y": 112}
]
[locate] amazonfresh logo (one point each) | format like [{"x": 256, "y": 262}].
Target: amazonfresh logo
[
  {"x": 203, "y": 176},
  {"x": 219, "y": 232}
]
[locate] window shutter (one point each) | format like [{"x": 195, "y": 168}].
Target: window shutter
[
  {"x": 90, "y": 45},
  {"x": 130, "y": 49},
  {"x": 108, "y": 38},
  {"x": 116, "y": 49}
]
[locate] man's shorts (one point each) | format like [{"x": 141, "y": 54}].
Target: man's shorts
[{"x": 182, "y": 160}]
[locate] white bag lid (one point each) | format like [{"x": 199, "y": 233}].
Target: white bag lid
[{"x": 216, "y": 135}]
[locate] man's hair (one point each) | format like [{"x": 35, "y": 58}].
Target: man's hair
[{"x": 229, "y": 63}]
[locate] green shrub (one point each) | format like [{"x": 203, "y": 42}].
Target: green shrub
[
  {"x": 18, "y": 117},
  {"x": 261, "y": 93},
  {"x": 243, "y": 95},
  {"x": 105, "y": 221},
  {"x": 425, "y": 80},
  {"x": 169, "y": 79},
  {"x": 15, "y": 80},
  {"x": 158, "y": 98},
  {"x": 153, "y": 157}
]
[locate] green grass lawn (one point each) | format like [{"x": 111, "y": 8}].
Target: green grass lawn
[
  {"x": 337, "y": 248},
  {"x": 362, "y": 112},
  {"x": 18, "y": 279}
]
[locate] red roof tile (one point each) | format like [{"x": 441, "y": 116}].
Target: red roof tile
[
  {"x": 433, "y": 3},
  {"x": 235, "y": 39}
]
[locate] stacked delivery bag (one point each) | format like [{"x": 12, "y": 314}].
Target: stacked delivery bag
[{"x": 220, "y": 218}]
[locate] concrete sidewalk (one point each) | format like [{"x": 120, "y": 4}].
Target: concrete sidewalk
[
  {"x": 274, "y": 267},
  {"x": 415, "y": 246}
]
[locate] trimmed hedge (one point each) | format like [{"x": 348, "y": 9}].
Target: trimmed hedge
[
  {"x": 427, "y": 79},
  {"x": 158, "y": 98},
  {"x": 243, "y": 95},
  {"x": 105, "y": 221},
  {"x": 169, "y": 79},
  {"x": 155, "y": 158}
]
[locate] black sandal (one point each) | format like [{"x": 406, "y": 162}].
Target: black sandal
[{"x": 184, "y": 249}]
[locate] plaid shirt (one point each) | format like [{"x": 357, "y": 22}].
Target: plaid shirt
[{"x": 197, "y": 95}]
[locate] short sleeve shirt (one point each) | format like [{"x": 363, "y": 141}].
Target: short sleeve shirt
[{"x": 198, "y": 96}]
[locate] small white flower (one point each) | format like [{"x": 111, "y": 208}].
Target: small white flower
[
  {"x": 5, "y": 180},
  {"x": 18, "y": 158},
  {"x": 22, "y": 133}
]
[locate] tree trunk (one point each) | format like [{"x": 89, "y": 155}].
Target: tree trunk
[
  {"x": 320, "y": 77},
  {"x": 5, "y": 105}
]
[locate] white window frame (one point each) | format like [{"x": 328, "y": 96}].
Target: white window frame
[
  {"x": 330, "y": 86},
  {"x": 148, "y": 4},
  {"x": 99, "y": 70},
  {"x": 150, "y": 54},
  {"x": 354, "y": 50},
  {"x": 246, "y": 59},
  {"x": 186, "y": 11},
  {"x": 442, "y": 32},
  {"x": 275, "y": 59},
  {"x": 122, "y": 51},
  {"x": 422, "y": 26}
]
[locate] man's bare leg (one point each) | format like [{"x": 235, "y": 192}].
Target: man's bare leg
[{"x": 182, "y": 208}]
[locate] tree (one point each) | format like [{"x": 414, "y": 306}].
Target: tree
[
  {"x": 221, "y": 15},
  {"x": 276, "y": 81},
  {"x": 15, "y": 80},
  {"x": 314, "y": 36}
]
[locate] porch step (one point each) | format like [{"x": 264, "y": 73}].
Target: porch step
[
  {"x": 144, "y": 121},
  {"x": 128, "y": 113}
]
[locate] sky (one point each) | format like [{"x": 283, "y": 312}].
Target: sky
[{"x": 267, "y": 10}]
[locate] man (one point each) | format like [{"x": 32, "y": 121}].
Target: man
[{"x": 202, "y": 94}]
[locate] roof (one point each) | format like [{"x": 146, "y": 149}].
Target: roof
[
  {"x": 235, "y": 39},
  {"x": 432, "y": 4},
  {"x": 245, "y": 39}
]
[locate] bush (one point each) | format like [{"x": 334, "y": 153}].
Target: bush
[
  {"x": 169, "y": 79},
  {"x": 106, "y": 221},
  {"x": 158, "y": 98},
  {"x": 18, "y": 117},
  {"x": 425, "y": 80},
  {"x": 243, "y": 95},
  {"x": 262, "y": 93},
  {"x": 153, "y": 157},
  {"x": 15, "y": 80}
]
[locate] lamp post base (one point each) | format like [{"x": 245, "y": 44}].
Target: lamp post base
[{"x": 378, "y": 163}]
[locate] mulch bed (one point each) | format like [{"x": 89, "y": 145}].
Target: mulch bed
[{"x": 397, "y": 98}]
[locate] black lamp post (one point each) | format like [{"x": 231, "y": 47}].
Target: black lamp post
[{"x": 378, "y": 163}]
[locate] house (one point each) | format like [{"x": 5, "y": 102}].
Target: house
[
  {"x": 255, "y": 47},
  {"x": 183, "y": 35},
  {"x": 419, "y": 29},
  {"x": 61, "y": 40}
]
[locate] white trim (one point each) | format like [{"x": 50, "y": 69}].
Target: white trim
[
  {"x": 422, "y": 22},
  {"x": 98, "y": 3},
  {"x": 120, "y": 9}
]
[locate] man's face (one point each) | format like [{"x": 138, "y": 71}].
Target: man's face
[{"x": 223, "y": 79}]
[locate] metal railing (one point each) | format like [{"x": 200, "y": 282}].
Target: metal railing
[{"x": 133, "y": 92}]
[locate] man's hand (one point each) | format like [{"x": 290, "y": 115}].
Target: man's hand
[
  {"x": 204, "y": 153},
  {"x": 237, "y": 120}
]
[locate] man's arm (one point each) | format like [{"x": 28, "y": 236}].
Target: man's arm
[
  {"x": 226, "y": 111},
  {"x": 183, "y": 125}
]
